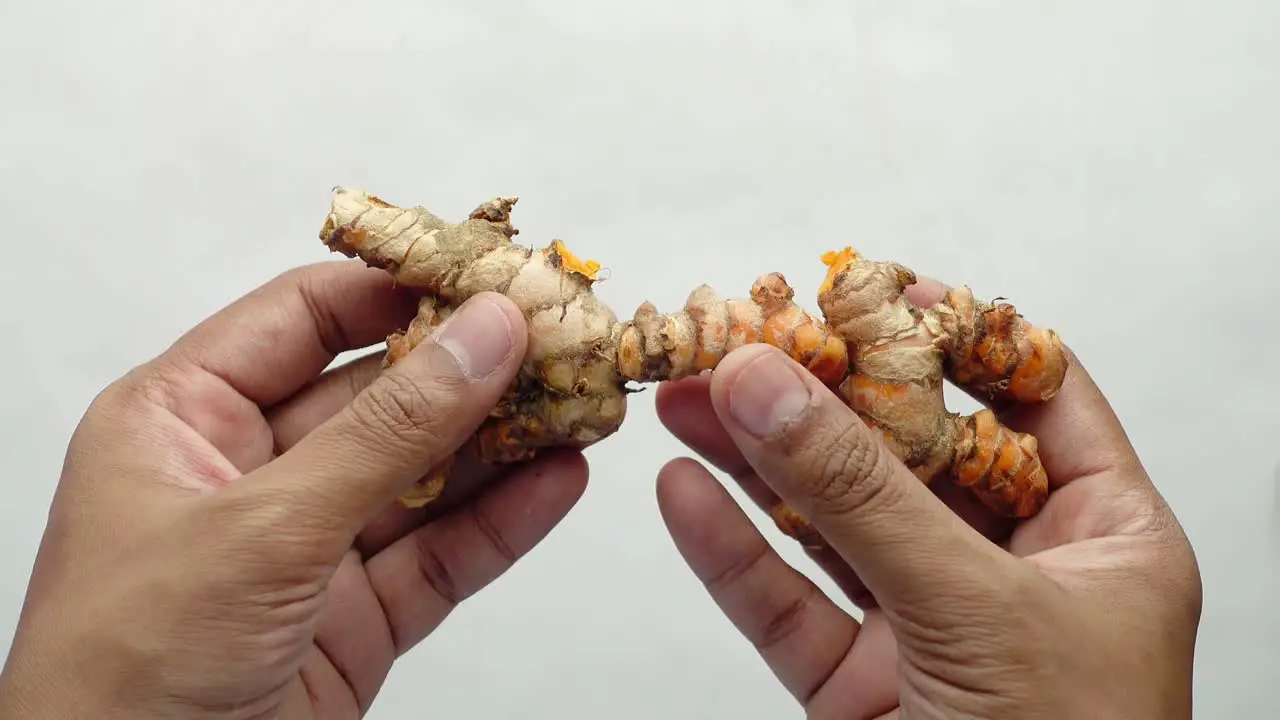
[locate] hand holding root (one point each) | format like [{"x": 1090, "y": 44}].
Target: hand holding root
[
  {"x": 899, "y": 356},
  {"x": 220, "y": 543},
  {"x": 1088, "y": 610},
  {"x": 572, "y": 386},
  {"x": 884, "y": 356}
]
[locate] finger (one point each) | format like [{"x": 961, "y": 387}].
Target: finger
[
  {"x": 1078, "y": 432},
  {"x": 270, "y": 342},
  {"x": 963, "y": 503},
  {"x": 926, "y": 292},
  {"x": 320, "y": 400},
  {"x": 333, "y": 391},
  {"x": 349, "y": 637},
  {"x": 468, "y": 477},
  {"x": 422, "y": 577},
  {"x": 797, "y": 630},
  {"x": 406, "y": 422},
  {"x": 319, "y": 685},
  {"x": 685, "y": 408},
  {"x": 820, "y": 458},
  {"x": 1099, "y": 485},
  {"x": 866, "y": 683},
  {"x": 830, "y": 562}
]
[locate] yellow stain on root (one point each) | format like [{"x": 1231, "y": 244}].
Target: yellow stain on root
[
  {"x": 587, "y": 268},
  {"x": 837, "y": 261}
]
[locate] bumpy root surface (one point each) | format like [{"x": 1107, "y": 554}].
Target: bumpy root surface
[
  {"x": 899, "y": 356},
  {"x": 572, "y": 386},
  {"x": 887, "y": 358},
  {"x": 658, "y": 347}
]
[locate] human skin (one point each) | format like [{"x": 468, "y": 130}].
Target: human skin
[
  {"x": 1088, "y": 610},
  {"x": 224, "y": 542}
]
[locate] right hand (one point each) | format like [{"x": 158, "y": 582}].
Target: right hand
[{"x": 1088, "y": 610}]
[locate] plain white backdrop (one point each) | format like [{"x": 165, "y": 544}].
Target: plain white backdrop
[{"x": 1109, "y": 167}]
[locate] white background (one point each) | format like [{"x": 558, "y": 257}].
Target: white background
[{"x": 1110, "y": 167}]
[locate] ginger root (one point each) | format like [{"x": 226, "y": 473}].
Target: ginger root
[
  {"x": 899, "y": 357},
  {"x": 884, "y": 356},
  {"x": 572, "y": 386}
]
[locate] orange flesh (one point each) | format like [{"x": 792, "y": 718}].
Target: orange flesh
[
  {"x": 836, "y": 262},
  {"x": 571, "y": 262}
]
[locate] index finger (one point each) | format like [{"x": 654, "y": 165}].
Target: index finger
[{"x": 271, "y": 342}]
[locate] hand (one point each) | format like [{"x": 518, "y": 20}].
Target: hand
[
  {"x": 223, "y": 541},
  {"x": 1088, "y": 610}
]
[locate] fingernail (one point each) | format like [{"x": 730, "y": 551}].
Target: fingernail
[
  {"x": 766, "y": 395},
  {"x": 478, "y": 336}
]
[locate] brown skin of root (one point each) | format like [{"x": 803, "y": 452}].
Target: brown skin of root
[
  {"x": 429, "y": 316},
  {"x": 514, "y": 432},
  {"x": 900, "y": 355},
  {"x": 500, "y": 439},
  {"x": 654, "y": 347},
  {"x": 793, "y": 525},
  {"x": 995, "y": 353},
  {"x": 803, "y": 337},
  {"x": 571, "y": 389},
  {"x": 1000, "y": 466},
  {"x": 428, "y": 489}
]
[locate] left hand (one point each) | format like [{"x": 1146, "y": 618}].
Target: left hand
[{"x": 223, "y": 541}]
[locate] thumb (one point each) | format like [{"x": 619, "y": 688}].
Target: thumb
[
  {"x": 819, "y": 457},
  {"x": 411, "y": 418}
]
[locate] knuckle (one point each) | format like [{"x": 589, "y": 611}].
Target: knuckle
[
  {"x": 302, "y": 275},
  {"x": 400, "y": 410},
  {"x": 329, "y": 328},
  {"x": 248, "y": 518},
  {"x": 132, "y": 402},
  {"x": 787, "y": 618},
  {"x": 741, "y": 567},
  {"x": 434, "y": 570},
  {"x": 491, "y": 533},
  {"x": 849, "y": 470},
  {"x": 361, "y": 374},
  {"x": 156, "y": 383}
]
